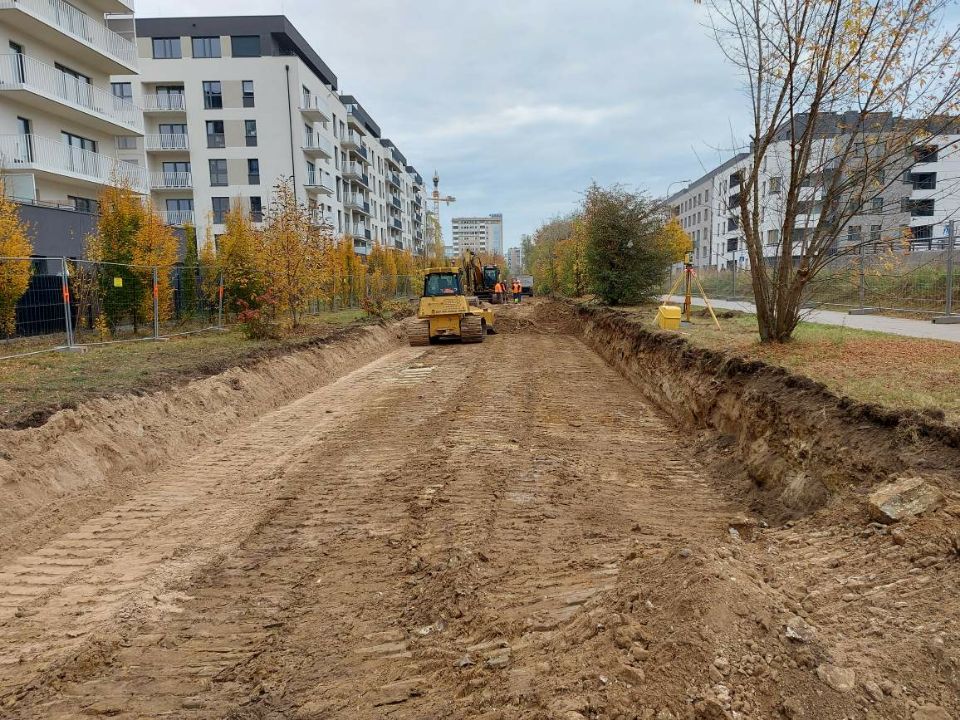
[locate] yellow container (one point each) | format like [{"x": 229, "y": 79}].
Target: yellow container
[{"x": 668, "y": 317}]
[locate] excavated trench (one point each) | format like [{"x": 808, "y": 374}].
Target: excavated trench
[{"x": 554, "y": 524}]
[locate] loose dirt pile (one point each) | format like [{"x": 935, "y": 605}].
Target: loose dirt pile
[{"x": 506, "y": 530}]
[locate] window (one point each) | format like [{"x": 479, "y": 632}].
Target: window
[
  {"x": 122, "y": 90},
  {"x": 253, "y": 171},
  {"x": 311, "y": 173},
  {"x": 924, "y": 181},
  {"x": 876, "y": 204},
  {"x": 925, "y": 154},
  {"x": 256, "y": 209},
  {"x": 250, "y": 130},
  {"x": 921, "y": 208},
  {"x": 248, "y": 99},
  {"x": 307, "y": 136},
  {"x": 221, "y": 206},
  {"x": 17, "y": 51},
  {"x": 179, "y": 205},
  {"x": 206, "y": 47},
  {"x": 172, "y": 128},
  {"x": 774, "y": 185},
  {"x": 126, "y": 142},
  {"x": 218, "y": 173},
  {"x": 773, "y": 237},
  {"x": 170, "y": 97},
  {"x": 215, "y": 134},
  {"x": 79, "y": 142},
  {"x": 245, "y": 45},
  {"x": 854, "y": 234},
  {"x": 306, "y": 96},
  {"x": 67, "y": 84},
  {"x": 874, "y": 233},
  {"x": 167, "y": 48},
  {"x": 82, "y": 204},
  {"x": 212, "y": 95}
]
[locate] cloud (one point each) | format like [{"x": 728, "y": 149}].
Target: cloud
[{"x": 521, "y": 104}]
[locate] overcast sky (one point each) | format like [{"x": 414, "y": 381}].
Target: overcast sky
[{"x": 520, "y": 104}]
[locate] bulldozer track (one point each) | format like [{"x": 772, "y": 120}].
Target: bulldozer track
[
  {"x": 471, "y": 329},
  {"x": 418, "y": 332}
]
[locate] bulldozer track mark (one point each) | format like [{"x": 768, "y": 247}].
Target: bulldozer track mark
[{"x": 447, "y": 532}]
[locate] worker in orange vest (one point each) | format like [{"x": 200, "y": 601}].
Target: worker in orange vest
[
  {"x": 517, "y": 291},
  {"x": 498, "y": 290}
]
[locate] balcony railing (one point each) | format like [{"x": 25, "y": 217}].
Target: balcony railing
[
  {"x": 395, "y": 201},
  {"x": 397, "y": 224},
  {"x": 33, "y": 152},
  {"x": 165, "y": 141},
  {"x": 361, "y": 232},
  {"x": 82, "y": 27},
  {"x": 356, "y": 201},
  {"x": 318, "y": 145},
  {"x": 164, "y": 103},
  {"x": 318, "y": 219},
  {"x": 354, "y": 141},
  {"x": 21, "y": 72},
  {"x": 315, "y": 108},
  {"x": 393, "y": 179},
  {"x": 176, "y": 217},
  {"x": 171, "y": 180},
  {"x": 315, "y": 179}
]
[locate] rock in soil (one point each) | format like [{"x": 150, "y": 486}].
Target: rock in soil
[{"x": 904, "y": 498}]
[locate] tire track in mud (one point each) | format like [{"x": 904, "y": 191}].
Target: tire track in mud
[
  {"x": 117, "y": 566},
  {"x": 414, "y": 559}
]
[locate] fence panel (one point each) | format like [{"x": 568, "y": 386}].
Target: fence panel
[
  {"x": 110, "y": 302},
  {"x": 35, "y": 321}
]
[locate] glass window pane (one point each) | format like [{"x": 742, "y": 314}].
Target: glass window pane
[{"x": 245, "y": 45}]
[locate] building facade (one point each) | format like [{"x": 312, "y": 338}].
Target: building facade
[
  {"x": 60, "y": 117},
  {"x": 912, "y": 197},
  {"x": 479, "y": 234},
  {"x": 233, "y": 104},
  {"x": 515, "y": 260}
]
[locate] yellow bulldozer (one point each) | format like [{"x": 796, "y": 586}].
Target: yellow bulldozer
[{"x": 446, "y": 311}]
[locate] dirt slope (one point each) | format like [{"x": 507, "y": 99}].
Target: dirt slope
[{"x": 508, "y": 530}]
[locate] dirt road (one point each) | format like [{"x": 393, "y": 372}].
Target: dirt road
[{"x": 504, "y": 530}]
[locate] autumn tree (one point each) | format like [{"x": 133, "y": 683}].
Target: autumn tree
[
  {"x": 237, "y": 254},
  {"x": 293, "y": 251},
  {"x": 14, "y": 274},
  {"x": 845, "y": 95},
  {"x": 674, "y": 240},
  {"x": 624, "y": 260},
  {"x": 155, "y": 246},
  {"x": 189, "y": 272},
  {"x": 121, "y": 286}
]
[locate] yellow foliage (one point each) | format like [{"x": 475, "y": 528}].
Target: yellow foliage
[
  {"x": 14, "y": 274},
  {"x": 155, "y": 245},
  {"x": 675, "y": 240}
]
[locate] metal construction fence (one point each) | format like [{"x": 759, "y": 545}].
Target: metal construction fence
[
  {"x": 77, "y": 303},
  {"x": 923, "y": 280}
]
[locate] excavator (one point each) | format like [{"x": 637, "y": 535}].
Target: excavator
[
  {"x": 481, "y": 279},
  {"x": 450, "y": 306}
]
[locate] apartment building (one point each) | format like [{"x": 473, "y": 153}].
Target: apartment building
[
  {"x": 515, "y": 260},
  {"x": 479, "y": 234},
  {"x": 60, "y": 117},
  {"x": 233, "y": 104},
  {"x": 921, "y": 192}
]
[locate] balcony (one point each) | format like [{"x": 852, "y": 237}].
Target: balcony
[
  {"x": 353, "y": 116},
  {"x": 355, "y": 171},
  {"x": 359, "y": 232},
  {"x": 356, "y": 201},
  {"x": 315, "y": 145},
  {"x": 318, "y": 219},
  {"x": 176, "y": 142},
  {"x": 53, "y": 91},
  {"x": 171, "y": 103},
  {"x": 393, "y": 179},
  {"x": 315, "y": 109},
  {"x": 77, "y": 33},
  {"x": 171, "y": 180},
  {"x": 397, "y": 159},
  {"x": 176, "y": 218},
  {"x": 354, "y": 141},
  {"x": 56, "y": 160},
  {"x": 395, "y": 201},
  {"x": 396, "y": 224},
  {"x": 315, "y": 182}
]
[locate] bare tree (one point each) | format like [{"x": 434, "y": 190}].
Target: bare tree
[{"x": 843, "y": 93}]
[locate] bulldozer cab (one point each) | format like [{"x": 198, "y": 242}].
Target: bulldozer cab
[
  {"x": 442, "y": 283},
  {"x": 491, "y": 275}
]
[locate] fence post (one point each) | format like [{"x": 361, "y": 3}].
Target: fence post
[
  {"x": 67, "y": 310},
  {"x": 862, "y": 289},
  {"x": 220, "y": 302},
  {"x": 156, "y": 305},
  {"x": 948, "y": 316}
]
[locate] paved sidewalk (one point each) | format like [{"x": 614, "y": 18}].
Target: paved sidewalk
[{"x": 878, "y": 323}]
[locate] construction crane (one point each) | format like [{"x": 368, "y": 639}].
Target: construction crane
[{"x": 437, "y": 198}]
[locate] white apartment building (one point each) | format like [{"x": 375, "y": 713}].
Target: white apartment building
[
  {"x": 923, "y": 194},
  {"x": 232, "y": 104},
  {"x": 515, "y": 260},
  {"x": 479, "y": 234},
  {"x": 59, "y": 117}
]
